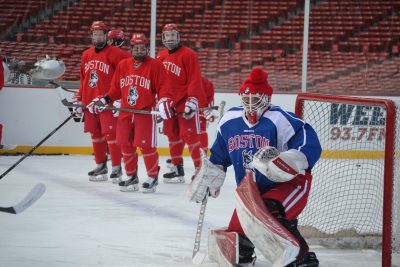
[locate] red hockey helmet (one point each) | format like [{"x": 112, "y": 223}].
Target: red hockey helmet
[
  {"x": 116, "y": 34},
  {"x": 98, "y": 26},
  {"x": 98, "y": 31},
  {"x": 139, "y": 48},
  {"x": 138, "y": 38},
  {"x": 255, "y": 94},
  {"x": 170, "y": 36},
  {"x": 116, "y": 38}
]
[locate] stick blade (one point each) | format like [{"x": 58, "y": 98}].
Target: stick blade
[
  {"x": 31, "y": 198},
  {"x": 198, "y": 258}
]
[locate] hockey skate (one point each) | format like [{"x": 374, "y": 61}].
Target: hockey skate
[
  {"x": 116, "y": 174},
  {"x": 309, "y": 260},
  {"x": 176, "y": 175},
  {"x": 129, "y": 185},
  {"x": 150, "y": 185},
  {"x": 99, "y": 174}
]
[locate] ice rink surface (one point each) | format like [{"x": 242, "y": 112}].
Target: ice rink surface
[{"x": 82, "y": 223}]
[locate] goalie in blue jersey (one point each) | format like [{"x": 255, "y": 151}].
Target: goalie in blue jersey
[{"x": 272, "y": 152}]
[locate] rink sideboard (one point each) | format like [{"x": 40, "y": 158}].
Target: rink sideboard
[{"x": 30, "y": 114}]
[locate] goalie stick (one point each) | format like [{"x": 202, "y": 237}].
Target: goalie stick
[
  {"x": 197, "y": 256},
  {"x": 31, "y": 198}
]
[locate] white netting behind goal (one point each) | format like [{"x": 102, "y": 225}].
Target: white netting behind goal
[{"x": 348, "y": 195}]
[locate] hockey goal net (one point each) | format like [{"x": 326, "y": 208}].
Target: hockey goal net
[{"x": 354, "y": 198}]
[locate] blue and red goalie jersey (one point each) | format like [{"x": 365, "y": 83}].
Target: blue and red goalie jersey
[{"x": 238, "y": 141}]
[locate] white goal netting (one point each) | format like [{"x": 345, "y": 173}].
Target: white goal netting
[{"x": 350, "y": 195}]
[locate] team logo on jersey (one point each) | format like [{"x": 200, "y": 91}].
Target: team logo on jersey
[
  {"x": 247, "y": 158},
  {"x": 132, "y": 95},
  {"x": 93, "y": 79}
]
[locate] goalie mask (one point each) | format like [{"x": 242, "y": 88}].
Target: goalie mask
[
  {"x": 139, "y": 46},
  {"x": 255, "y": 94},
  {"x": 98, "y": 34},
  {"x": 48, "y": 69},
  {"x": 116, "y": 38},
  {"x": 170, "y": 36}
]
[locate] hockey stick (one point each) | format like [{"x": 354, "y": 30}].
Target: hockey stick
[
  {"x": 218, "y": 108},
  {"x": 35, "y": 147},
  {"x": 31, "y": 198},
  {"x": 66, "y": 103},
  {"x": 59, "y": 86},
  {"x": 198, "y": 257}
]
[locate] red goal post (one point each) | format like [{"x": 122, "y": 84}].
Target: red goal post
[{"x": 355, "y": 189}]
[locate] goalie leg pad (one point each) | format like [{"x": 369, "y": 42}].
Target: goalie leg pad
[
  {"x": 274, "y": 241},
  {"x": 223, "y": 247}
]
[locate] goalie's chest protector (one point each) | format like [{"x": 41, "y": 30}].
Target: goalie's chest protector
[{"x": 243, "y": 140}]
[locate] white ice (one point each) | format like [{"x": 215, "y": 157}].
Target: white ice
[{"x": 81, "y": 223}]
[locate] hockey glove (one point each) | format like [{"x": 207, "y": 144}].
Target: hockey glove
[
  {"x": 191, "y": 106},
  {"x": 97, "y": 105},
  {"x": 208, "y": 115},
  {"x": 78, "y": 111},
  {"x": 209, "y": 178},
  {"x": 279, "y": 167},
  {"x": 116, "y": 104},
  {"x": 165, "y": 108}
]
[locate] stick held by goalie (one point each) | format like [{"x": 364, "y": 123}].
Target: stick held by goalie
[{"x": 279, "y": 150}]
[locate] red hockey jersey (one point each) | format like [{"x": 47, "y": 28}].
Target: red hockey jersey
[
  {"x": 184, "y": 74},
  {"x": 97, "y": 70},
  {"x": 137, "y": 87},
  {"x": 209, "y": 91}
]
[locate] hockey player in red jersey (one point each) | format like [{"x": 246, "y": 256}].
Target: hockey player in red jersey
[
  {"x": 97, "y": 68},
  {"x": 184, "y": 75},
  {"x": 116, "y": 38},
  {"x": 138, "y": 81},
  {"x": 206, "y": 115}
]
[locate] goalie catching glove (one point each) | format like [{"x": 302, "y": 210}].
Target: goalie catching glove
[
  {"x": 281, "y": 167},
  {"x": 208, "y": 179}
]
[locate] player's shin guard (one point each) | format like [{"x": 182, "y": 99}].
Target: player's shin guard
[{"x": 274, "y": 241}]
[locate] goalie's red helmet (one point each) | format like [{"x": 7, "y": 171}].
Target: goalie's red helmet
[
  {"x": 170, "y": 36},
  {"x": 98, "y": 26},
  {"x": 255, "y": 94}
]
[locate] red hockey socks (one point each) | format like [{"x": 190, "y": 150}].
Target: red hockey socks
[
  {"x": 130, "y": 160},
  {"x": 193, "y": 143},
  {"x": 176, "y": 150},
  {"x": 99, "y": 148},
  {"x": 114, "y": 149},
  {"x": 150, "y": 158}
]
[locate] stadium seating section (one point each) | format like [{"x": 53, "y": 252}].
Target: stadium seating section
[{"x": 353, "y": 45}]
